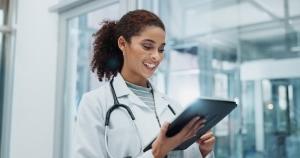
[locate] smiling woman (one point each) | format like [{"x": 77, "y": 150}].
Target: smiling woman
[
  {"x": 118, "y": 35},
  {"x": 122, "y": 116},
  {"x": 143, "y": 54}
]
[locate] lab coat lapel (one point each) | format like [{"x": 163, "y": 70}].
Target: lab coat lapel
[
  {"x": 122, "y": 90},
  {"x": 120, "y": 86},
  {"x": 161, "y": 102}
]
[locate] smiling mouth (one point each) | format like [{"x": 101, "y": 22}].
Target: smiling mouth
[{"x": 150, "y": 66}]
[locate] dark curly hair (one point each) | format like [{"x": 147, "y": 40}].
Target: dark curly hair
[{"x": 107, "y": 59}]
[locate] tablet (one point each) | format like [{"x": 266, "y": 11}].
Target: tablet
[{"x": 212, "y": 109}]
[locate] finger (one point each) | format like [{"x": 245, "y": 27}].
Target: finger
[
  {"x": 207, "y": 135},
  {"x": 194, "y": 129},
  {"x": 209, "y": 141},
  {"x": 194, "y": 133},
  {"x": 163, "y": 130},
  {"x": 197, "y": 126},
  {"x": 191, "y": 123},
  {"x": 188, "y": 127}
]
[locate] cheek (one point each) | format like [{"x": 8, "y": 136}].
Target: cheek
[
  {"x": 161, "y": 55},
  {"x": 135, "y": 58}
]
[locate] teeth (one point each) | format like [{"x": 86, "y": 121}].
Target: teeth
[{"x": 150, "y": 65}]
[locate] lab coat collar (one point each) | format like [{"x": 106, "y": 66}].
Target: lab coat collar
[
  {"x": 122, "y": 90},
  {"x": 161, "y": 102},
  {"x": 120, "y": 86}
]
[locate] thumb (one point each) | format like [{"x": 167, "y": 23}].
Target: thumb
[{"x": 164, "y": 129}]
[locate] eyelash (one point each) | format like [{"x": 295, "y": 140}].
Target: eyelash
[
  {"x": 148, "y": 48},
  {"x": 162, "y": 50}
]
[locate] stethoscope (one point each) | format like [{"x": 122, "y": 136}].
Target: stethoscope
[{"x": 127, "y": 108}]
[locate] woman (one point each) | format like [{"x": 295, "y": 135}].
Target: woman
[{"x": 126, "y": 54}]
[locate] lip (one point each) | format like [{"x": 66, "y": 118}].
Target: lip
[
  {"x": 150, "y": 65},
  {"x": 150, "y": 68}
]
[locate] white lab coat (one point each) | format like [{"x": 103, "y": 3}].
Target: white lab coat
[{"x": 122, "y": 138}]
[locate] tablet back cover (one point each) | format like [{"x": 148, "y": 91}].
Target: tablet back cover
[{"x": 213, "y": 110}]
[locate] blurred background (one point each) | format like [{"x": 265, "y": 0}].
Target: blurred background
[{"x": 245, "y": 49}]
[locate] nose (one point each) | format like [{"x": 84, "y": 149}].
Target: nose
[{"x": 155, "y": 56}]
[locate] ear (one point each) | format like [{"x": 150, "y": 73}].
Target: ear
[{"x": 122, "y": 43}]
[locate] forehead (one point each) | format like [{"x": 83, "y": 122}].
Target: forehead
[{"x": 153, "y": 33}]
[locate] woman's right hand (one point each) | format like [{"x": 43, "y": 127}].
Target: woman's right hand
[{"x": 163, "y": 144}]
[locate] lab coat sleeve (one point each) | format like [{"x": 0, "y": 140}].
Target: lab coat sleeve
[
  {"x": 147, "y": 154},
  {"x": 88, "y": 139},
  {"x": 210, "y": 155},
  {"x": 191, "y": 152},
  {"x": 194, "y": 152}
]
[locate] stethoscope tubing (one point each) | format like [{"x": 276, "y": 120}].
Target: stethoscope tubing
[
  {"x": 107, "y": 118},
  {"x": 131, "y": 115}
]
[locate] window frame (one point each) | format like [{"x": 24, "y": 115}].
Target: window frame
[{"x": 8, "y": 29}]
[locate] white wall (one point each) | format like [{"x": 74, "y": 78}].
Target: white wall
[
  {"x": 34, "y": 80},
  {"x": 270, "y": 69}
]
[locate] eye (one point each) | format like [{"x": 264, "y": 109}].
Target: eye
[
  {"x": 161, "y": 50},
  {"x": 147, "y": 46}
]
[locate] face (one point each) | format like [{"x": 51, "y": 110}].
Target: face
[{"x": 144, "y": 52}]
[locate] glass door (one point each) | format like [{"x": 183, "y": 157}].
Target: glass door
[{"x": 281, "y": 106}]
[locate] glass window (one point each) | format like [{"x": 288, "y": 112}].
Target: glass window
[
  {"x": 79, "y": 79},
  {"x": 209, "y": 41},
  {"x": 80, "y": 31},
  {"x": 187, "y": 85}
]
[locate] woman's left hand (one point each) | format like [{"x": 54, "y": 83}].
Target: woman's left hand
[{"x": 206, "y": 143}]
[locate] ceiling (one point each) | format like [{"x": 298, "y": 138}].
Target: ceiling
[{"x": 268, "y": 26}]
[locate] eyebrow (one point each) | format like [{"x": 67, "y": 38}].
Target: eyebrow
[{"x": 150, "y": 40}]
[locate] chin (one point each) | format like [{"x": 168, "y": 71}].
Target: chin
[{"x": 147, "y": 75}]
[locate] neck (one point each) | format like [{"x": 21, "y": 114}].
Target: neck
[{"x": 135, "y": 79}]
